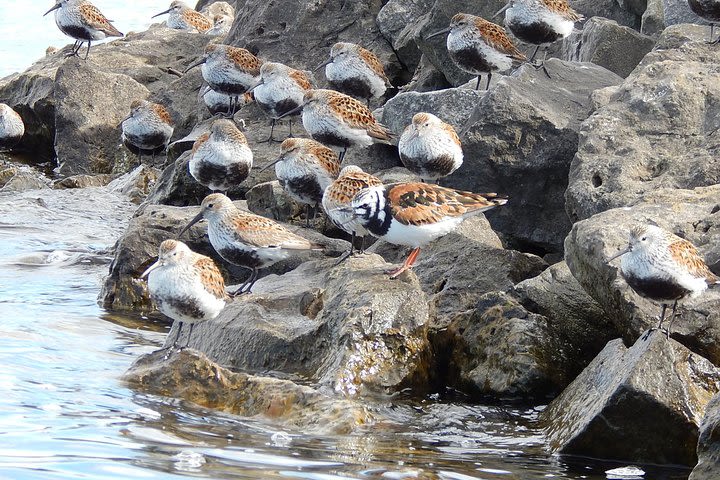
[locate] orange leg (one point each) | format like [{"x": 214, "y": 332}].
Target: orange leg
[{"x": 405, "y": 266}]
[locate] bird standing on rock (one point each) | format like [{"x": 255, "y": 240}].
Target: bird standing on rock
[
  {"x": 247, "y": 240},
  {"x": 148, "y": 128},
  {"x": 185, "y": 286},
  {"x": 430, "y": 148},
  {"x": 664, "y": 268},
  {"x": 355, "y": 71},
  {"x": 478, "y": 46},
  {"x": 221, "y": 159},
  {"x": 182, "y": 17},
  {"x": 82, "y": 21},
  {"x": 710, "y": 11}
]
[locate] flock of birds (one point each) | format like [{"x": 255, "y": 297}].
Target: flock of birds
[{"x": 189, "y": 288}]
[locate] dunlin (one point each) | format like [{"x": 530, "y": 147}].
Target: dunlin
[
  {"x": 82, "y": 21},
  {"x": 355, "y": 71},
  {"x": 218, "y": 8},
  {"x": 430, "y": 147},
  {"x": 245, "y": 239},
  {"x": 305, "y": 169},
  {"x": 337, "y": 202},
  {"x": 280, "y": 90},
  {"x": 415, "y": 214},
  {"x": 710, "y": 11},
  {"x": 185, "y": 286},
  {"x": 219, "y": 103},
  {"x": 221, "y": 25},
  {"x": 222, "y": 158},
  {"x": 229, "y": 70},
  {"x": 12, "y": 127},
  {"x": 540, "y": 22},
  {"x": 478, "y": 46},
  {"x": 663, "y": 267},
  {"x": 182, "y": 17},
  {"x": 148, "y": 128},
  {"x": 339, "y": 120}
]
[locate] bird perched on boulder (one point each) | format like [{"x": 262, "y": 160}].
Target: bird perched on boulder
[
  {"x": 182, "y": 17},
  {"x": 355, "y": 71},
  {"x": 221, "y": 159},
  {"x": 430, "y": 148},
  {"x": 82, "y": 21},
  {"x": 148, "y": 128}
]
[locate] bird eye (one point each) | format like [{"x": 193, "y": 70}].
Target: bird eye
[
  {"x": 643, "y": 239},
  {"x": 427, "y": 124},
  {"x": 174, "y": 254},
  {"x": 210, "y": 205}
]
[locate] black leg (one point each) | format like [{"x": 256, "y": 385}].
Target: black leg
[
  {"x": 342, "y": 154},
  {"x": 307, "y": 215},
  {"x": 187, "y": 344},
  {"x": 88, "y": 50},
  {"x": 177, "y": 336},
  {"x": 290, "y": 135},
  {"x": 349, "y": 253},
  {"x": 534, "y": 54},
  {"x": 477, "y": 85},
  {"x": 255, "y": 275},
  {"x": 240, "y": 291},
  {"x": 362, "y": 245},
  {"x": 272, "y": 130},
  {"x": 662, "y": 316},
  {"x": 487, "y": 87},
  {"x": 672, "y": 319}
]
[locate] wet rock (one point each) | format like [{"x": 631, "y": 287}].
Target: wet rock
[
  {"x": 603, "y": 42},
  {"x": 137, "y": 249},
  {"x": 136, "y": 185},
  {"x": 83, "y": 181},
  {"x": 658, "y": 131},
  {"x": 190, "y": 375},
  {"x": 639, "y": 404},
  {"x": 21, "y": 180},
  {"x": 692, "y": 214},
  {"x": 709, "y": 444},
  {"x": 346, "y": 326},
  {"x": 660, "y": 14},
  {"x": 520, "y": 141}
]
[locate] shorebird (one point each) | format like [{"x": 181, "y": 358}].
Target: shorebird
[
  {"x": 664, "y": 268},
  {"x": 478, "y": 46},
  {"x": 222, "y": 158},
  {"x": 339, "y": 120},
  {"x": 221, "y": 25},
  {"x": 219, "y": 103},
  {"x": 710, "y": 11},
  {"x": 185, "y": 286},
  {"x": 337, "y": 202},
  {"x": 218, "y": 8},
  {"x": 229, "y": 70},
  {"x": 82, "y": 21},
  {"x": 305, "y": 169},
  {"x": 148, "y": 128},
  {"x": 355, "y": 71},
  {"x": 540, "y": 22},
  {"x": 414, "y": 214},
  {"x": 182, "y": 17},
  {"x": 280, "y": 90},
  {"x": 245, "y": 239},
  {"x": 12, "y": 127},
  {"x": 430, "y": 148}
]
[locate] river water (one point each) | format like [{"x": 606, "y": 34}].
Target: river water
[{"x": 65, "y": 413}]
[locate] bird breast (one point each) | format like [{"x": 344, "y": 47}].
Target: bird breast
[{"x": 179, "y": 293}]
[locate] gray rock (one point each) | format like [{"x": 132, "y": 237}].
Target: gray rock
[
  {"x": 396, "y": 21},
  {"x": 520, "y": 141},
  {"x": 426, "y": 78},
  {"x": 709, "y": 444},
  {"x": 636, "y": 7},
  {"x": 605, "y": 43},
  {"x": 609, "y": 9},
  {"x": 177, "y": 187},
  {"x": 649, "y": 137},
  {"x": 348, "y": 327},
  {"x": 639, "y": 404},
  {"x": 664, "y": 13},
  {"x": 693, "y": 214},
  {"x": 20, "y": 178},
  {"x": 269, "y": 199},
  {"x": 83, "y": 181},
  {"x": 136, "y": 185}
]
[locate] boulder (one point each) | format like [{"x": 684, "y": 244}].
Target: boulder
[
  {"x": 658, "y": 130},
  {"x": 660, "y": 14},
  {"x": 693, "y": 214},
  {"x": 136, "y": 185},
  {"x": 83, "y": 181},
  {"x": 345, "y": 326},
  {"x": 606, "y": 43},
  {"x": 396, "y": 21},
  {"x": 638, "y": 404},
  {"x": 137, "y": 248},
  {"x": 177, "y": 187},
  {"x": 190, "y": 375},
  {"x": 709, "y": 444},
  {"x": 269, "y": 199},
  {"x": 20, "y": 178},
  {"x": 609, "y": 9},
  {"x": 426, "y": 78},
  {"x": 520, "y": 141}
]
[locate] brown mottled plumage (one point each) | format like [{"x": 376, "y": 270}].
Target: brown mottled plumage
[
  {"x": 496, "y": 37},
  {"x": 373, "y": 62},
  {"x": 243, "y": 59},
  {"x": 563, "y": 8},
  {"x": 357, "y": 115},
  {"x": 301, "y": 78},
  {"x": 95, "y": 19}
]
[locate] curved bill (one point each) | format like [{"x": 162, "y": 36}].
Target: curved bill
[
  {"x": 57, "y": 5},
  {"x": 271, "y": 164},
  {"x": 326, "y": 62},
  {"x": 249, "y": 90},
  {"x": 162, "y": 13},
  {"x": 619, "y": 254},
  {"x": 152, "y": 267},
  {"x": 507, "y": 5},
  {"x": 195, "y": 64},
  {"x": 441, "y": 32},
  {"x": 294, "y": 110},
  {"x": 195, "y": 220}
]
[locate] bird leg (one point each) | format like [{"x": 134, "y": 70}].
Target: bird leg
[
  {"x": 394, "y": 273},
  {"x": 349, "y": 253},
  {"x": 187, "y": 344},
  {"x": 672, "y": 319},
  {"x": 74, "y": 50},
  {"x": 290, "y": 135},
  {"x": 307, "y": 215},
  {"x": 88, "y": 50},
  {"x": 245, "y": 287},
  {"x": 342, "y": 154},
  {"x": 477, "y": 85},
  {"x": 272, "y": 129},
  {"x": 174, "y": 343},
  {"x": 659, "y": 327},
  {"x": 487, "y": 87}
]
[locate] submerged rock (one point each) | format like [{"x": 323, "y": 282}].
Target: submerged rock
[{"x": 639, "y": 404}]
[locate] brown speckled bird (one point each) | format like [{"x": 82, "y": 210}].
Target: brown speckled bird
[{"x": 82, "y": 21}]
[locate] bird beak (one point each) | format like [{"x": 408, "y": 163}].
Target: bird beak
[
  {"x": 249, "y": 90},
  {"x": 195, "y": 220},
  {"x": 271, "y": 164},
  {"x": 57, "y": 5},
  {"x": 294, "y": 110},
  {"x": 152, "y": 267},
  {"x": 507, "y": 5},
  {"x": 619, "y": 254},
  {"x": 326, "y": 62},
  {"x": 195, "y": 64},
  {"x": 441, "y": 32},
  {"x": 162, "y": 13}
]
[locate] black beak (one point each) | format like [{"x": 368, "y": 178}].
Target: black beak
[
  {"x": 195, "y": 220},
  {"x": 291, "y": 112},
  {"x": 271, "y": 164},
  {"x": 322, "y": 64},
  {"x": 195, "y": 64},
  {"x": 441, "y": 32},
  {"x": 619, "y": 254},
  {"x": 162, "y": 13},
  {"x": 57, "y": 5}
]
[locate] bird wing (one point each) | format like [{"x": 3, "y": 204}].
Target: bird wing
[
  {"x": 302, "y": 79},
  {"x": 199, "y": 142},
  {"x": 262, "y": 232},
  {"x": 198, "y": 20},
  {"x": 210, "y": 276},
  {"x": 562, "y": 8},
  {"x": 372, "y": 61},
  {"x": 686, "y": 256},
  {"x": 423, "y": 204},
  {"x": 244, "y": 60},
  {"x": 163, "y": 113},
  {"x": 95, "y": 19},
  {"x": 451, "y": 132},
  {"x": 343, "y": 190},
  {"x": 495, "y": 36},
  {"x": 327, "y": 158},
  {"x": 357, "y": 115}
]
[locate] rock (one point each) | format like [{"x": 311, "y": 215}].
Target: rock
[
  {"x": 345, "y": 326},
  {"x": 83, "y": 181},
  {"x": 20, "y": 178},
  {"x": 609, "y": 9},
  {"x": 664, "y": 13},
  {"x": 709, "y": 444},
  {"x": 137, "y": 249},
  {"x": 426, "y": 78},
  {"x": 636, "y": 7},
  {"x": 520, "y": 141},
  {"x": 693, "y": 214},
  {"x": 177, "y": 187},
  {"x": 193, "y": 377},
  {"x": 658, "y": 131},
  {"x": 640, "y": 404},
  {"x": 396, "y": 21},
  {"x": 270, "y": 200},
  {"x": 577, "y": 326},
  {"x": 603, "y": 42},
  {"x": 137, "y": 184}
]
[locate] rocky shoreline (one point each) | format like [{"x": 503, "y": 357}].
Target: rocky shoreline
[{"x": 517, "y": 306}]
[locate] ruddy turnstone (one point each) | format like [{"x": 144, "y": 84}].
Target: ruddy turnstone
[
  {"x": 710, "y": 11},
  {"x": 148, "y": 128},
  {"x": 82, "y": 21},
  {"x": 430, "y": 147},
  {"x": 182, "y": 17},
  {"x": 355, "y": 71},
  {"x": 12, "y": 127}
]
